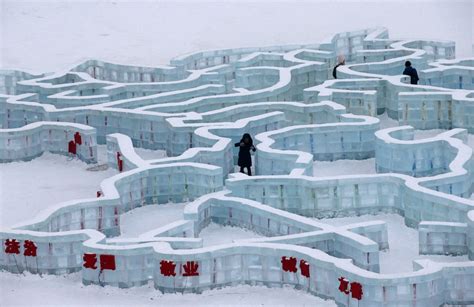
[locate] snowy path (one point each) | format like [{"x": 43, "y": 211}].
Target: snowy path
[
  {"x": 26, "y": 188},
  {"x": 68, "y": 290},
  {"x": 343, "y": 167},
  {"x": 140, "y": 220},
  {"x": 217, "y": 234}
]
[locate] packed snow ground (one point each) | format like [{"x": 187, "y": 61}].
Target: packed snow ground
[
  {"x": 140, "y": 220},
  {"x": 343, "y": 167},
  {"x": 151, "y": 32},
  {"x": 68, "y": 290},
  {"x": 217, "y": 234},
  {"x": 26, "y": 188}
]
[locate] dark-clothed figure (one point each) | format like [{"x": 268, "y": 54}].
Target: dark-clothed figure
[
  {"x": 340, "y": 61},
  {"x": 245, "y": 160},
  {"x": 410, "y": 71}
]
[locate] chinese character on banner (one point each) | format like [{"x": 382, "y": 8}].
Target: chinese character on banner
[
  {"x": 304, "y": 267},
  {"x": 191, "y": 268},
  {"x": 90, "y": 261},
  {"x": 12, "y": 246},
  {"x": 167, "y": 268},
  {"x": 30, "y": 248},
  {"x": 289, "y": 264},
  {"x": 107, "y": 262},
  {"x": 343, "y": 285},
  {"x": 356, "y": 290}
]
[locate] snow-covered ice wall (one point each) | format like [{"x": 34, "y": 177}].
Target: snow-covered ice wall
[{"x": 197, "y": 108}]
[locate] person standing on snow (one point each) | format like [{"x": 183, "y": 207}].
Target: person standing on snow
[
  {"x": 340, "y": 61},
  {"x": 410, "y": 71},
  {"x": 245, "y": 160}
]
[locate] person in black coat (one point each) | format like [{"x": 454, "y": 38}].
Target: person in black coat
[
  {"x": 245, "y": 160},
  {"x": 410, "y": 71},
  {"x": 340, "y": 61}
]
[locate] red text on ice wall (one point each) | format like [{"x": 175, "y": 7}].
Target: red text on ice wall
[
  {"x": 304, "y": 267},
  {"x": 30, "y": 248},
  {"x": 288, "y": 264},
  {"x": 354, "y": 288},
  {"x": 12, "y": 246},
  {"x": 167, "y": 268},
  {"x": 90, "y": 261},
  {"x": 191, "y": 268},
  {"x": 107, "y": 262}
]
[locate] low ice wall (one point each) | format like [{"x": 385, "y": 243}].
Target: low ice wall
[
  {"x": 274, "y": 265},
  {"x": 352, "y": 195},
  {"x": 120, "y": 148},
  {"x": 10, "y": 78},
  {"x": 438, "y": 110},
  {"x": 30, "y": 141},
  {"x": 470, "y": 235},
  {"x": 434, "y": 157},
  {"x": 287, "y": 228},
  {"x": 160, "y": 184},
  {"x": 283, "y": 150},
  {"x": 398, "y": 152},
  {"x": 442, "y": 238},
  {"x": 44, "y": 252},
  {"x": 129, "y": 74},
  {"x": 190, "y": 140},
  {"x": 455, "y": 74}
]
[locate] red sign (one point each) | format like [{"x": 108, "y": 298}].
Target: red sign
[
  {"x": 107, "y": 262},
  {"x": 167, "y": 268},
  {"x": 355, "y": 288},
  {"x": 30, "y": 248},
  {"x": 12, "y": 246},
  {"x": 90, "y": 261},
  {"x": 343, "y": 285},
  {"x": 191, "y": 268},
  {"x": 304, "y": 267},
  {"x": 288, "y": 264}
]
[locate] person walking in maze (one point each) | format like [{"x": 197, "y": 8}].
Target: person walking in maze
[
  {"x": 410, "y": 71},
  {"x": 245, "y": 160},
  {"x": 340, "y": 61}
]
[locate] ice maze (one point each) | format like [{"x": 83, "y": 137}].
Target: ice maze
[{"x": 286, "y": 98}]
